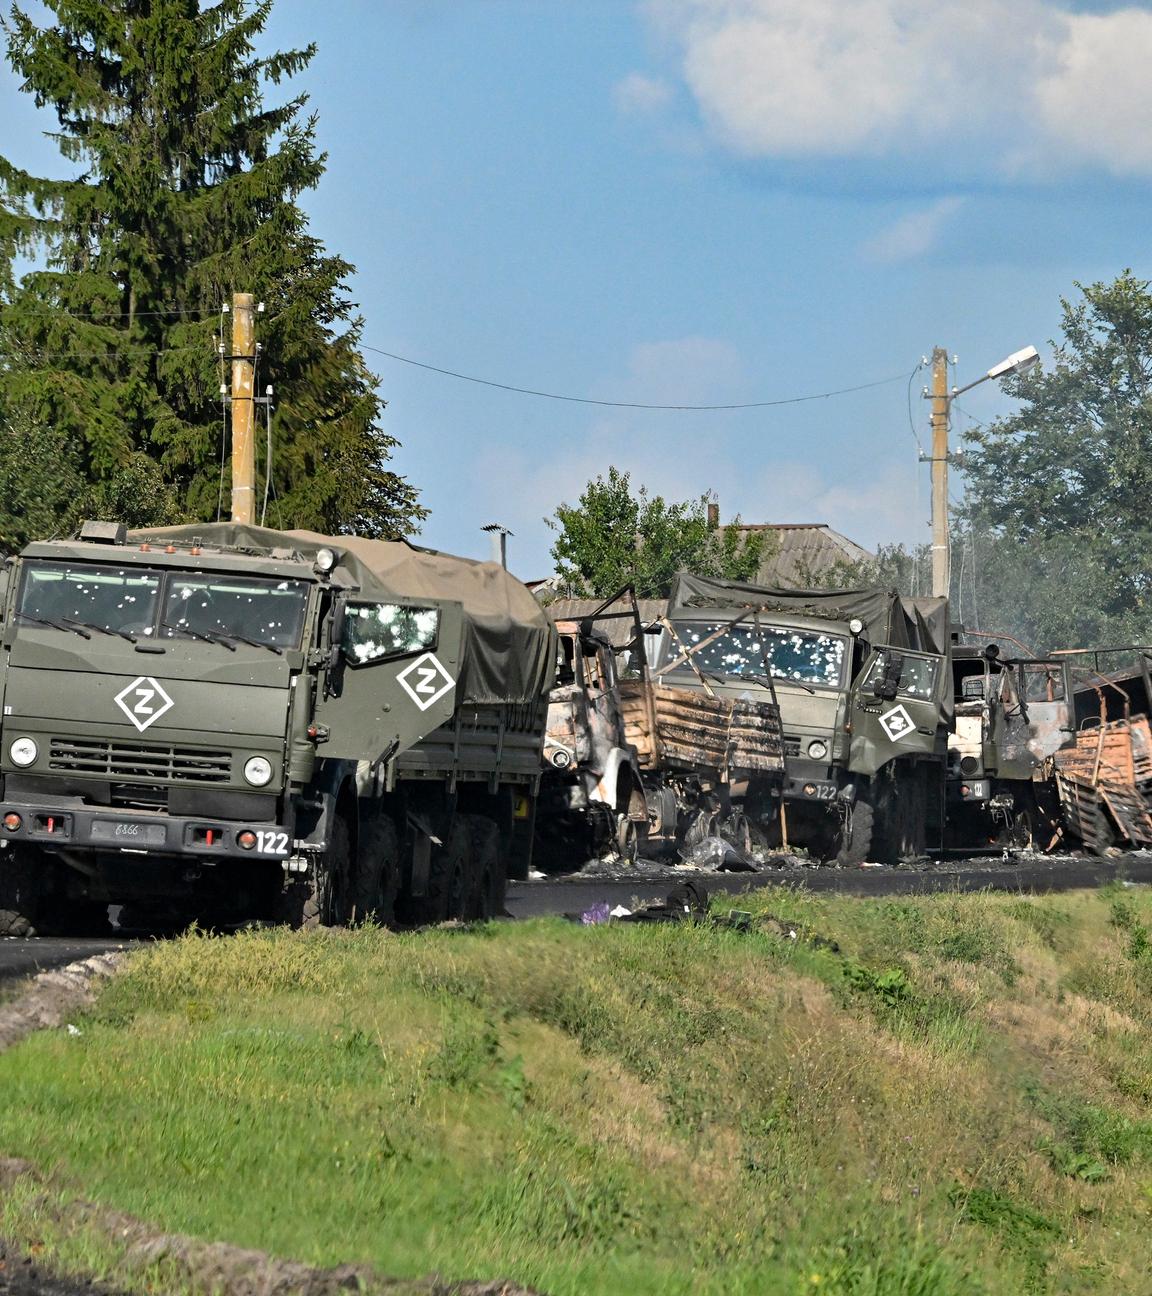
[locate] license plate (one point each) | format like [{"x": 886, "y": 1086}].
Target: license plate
[{"x": 121, "y": 832}]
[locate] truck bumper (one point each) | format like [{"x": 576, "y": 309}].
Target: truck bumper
[{"x": 71, "y": 827}]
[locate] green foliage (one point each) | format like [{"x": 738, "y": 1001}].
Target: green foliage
[
  {"x": 185, "y": 189},
  {"x": 1057, "y": 490},
  {"x": 616, "y": 536},
  {"x": 652, "y": 1110}
]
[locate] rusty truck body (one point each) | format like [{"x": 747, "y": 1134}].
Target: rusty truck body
[
  {"x": 863, "y": 686},
  {"x": 1012, "y": 716},
  {"x": 592, "y": 791}
]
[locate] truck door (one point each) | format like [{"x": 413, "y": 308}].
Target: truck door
[
  {"x": 896, "y": 708},
  {"x": 1035, "y": 704},
  {"x": 388, "y": 674}
]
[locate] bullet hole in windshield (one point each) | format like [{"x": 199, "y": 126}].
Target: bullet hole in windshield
[{"x": 804, "y": 656}]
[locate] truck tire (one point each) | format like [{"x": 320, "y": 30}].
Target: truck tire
[
  {"x": 486, "y": 899},
  {"x": 856, "y": 836},
  {"x": 322, "y": 898},
  {"x": 448, "y": 879},
  {"x": 377, "y": 871},
  {"x": 21, "y": 890}
]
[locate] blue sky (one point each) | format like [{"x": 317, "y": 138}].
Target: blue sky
[{"x": 707, "y": 201}]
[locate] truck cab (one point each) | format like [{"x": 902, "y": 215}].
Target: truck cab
[{"x": 237, "y": 721}]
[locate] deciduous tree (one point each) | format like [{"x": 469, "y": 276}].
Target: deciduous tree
[{"x": 616, "y": 536}]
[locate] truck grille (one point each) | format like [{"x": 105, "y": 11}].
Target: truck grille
[{"x": 139, "y": 761}]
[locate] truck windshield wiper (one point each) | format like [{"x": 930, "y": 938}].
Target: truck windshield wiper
[
  {"x": 55, "y": 625},
  {"x": 91, "y": 625},
  {"x": 197, "y": 634},
  {"x": 787, "y": 679},
  {"x": 252, "y": 643}
]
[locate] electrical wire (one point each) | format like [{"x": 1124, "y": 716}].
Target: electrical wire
[
  {"x": 911, "y": 420},
  {"x": 117, "y": 314},
  {"x": 614, "y": 404}
]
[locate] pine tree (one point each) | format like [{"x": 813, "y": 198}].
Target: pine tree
[{"x": 186, "y": 190}]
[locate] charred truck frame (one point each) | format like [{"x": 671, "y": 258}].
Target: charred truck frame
[
  {"x": 1012, "y": 716},
  {"x": 231, "y": 721},
  {"x": 864, "y": 688},
  {"x": 592, "y": 792}
]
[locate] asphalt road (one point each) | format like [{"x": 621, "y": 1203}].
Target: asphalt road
[{"x": 577, "y": 893}]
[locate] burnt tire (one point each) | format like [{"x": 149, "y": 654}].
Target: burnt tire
[
  {"x": 21, "y": 891},
  {"x": 488, "y": 873},
  {"x": 627, "y": 839},
  {"x": 856, "y": 835}
]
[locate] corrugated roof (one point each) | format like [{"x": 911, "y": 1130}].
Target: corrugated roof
[{"x": 804, "y": 552}]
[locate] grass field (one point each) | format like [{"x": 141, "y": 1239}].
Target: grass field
[{"x": 884, "y": 1098}]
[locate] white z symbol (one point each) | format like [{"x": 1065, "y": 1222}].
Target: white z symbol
[
  {"x": 145, "y": 695},
  {"x": 425, "y": 681}
]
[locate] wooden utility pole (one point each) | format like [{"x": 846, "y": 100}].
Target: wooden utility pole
[
  {"x": 941, "y": 553},
  {"x": 243, "y": 408}
]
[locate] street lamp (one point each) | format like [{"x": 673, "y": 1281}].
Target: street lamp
[{"x": 1017, "y": 363}]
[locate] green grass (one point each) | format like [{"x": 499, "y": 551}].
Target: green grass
[{"x": 914, "y": 1098}]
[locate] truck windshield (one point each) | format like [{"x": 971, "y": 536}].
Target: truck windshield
[
  {"x": 150, "y": 603},
  {"x": 111, "y": 598},
  {"x": 269, "y": 612},
  {"x": 806, "y": 656}
]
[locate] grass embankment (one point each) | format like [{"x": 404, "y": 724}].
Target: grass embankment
[{"x": 954, "y": 1100}]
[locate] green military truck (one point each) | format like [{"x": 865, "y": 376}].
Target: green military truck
[
  {"x": 224, "y": 721},
  {"x": 864, "y": 688}
]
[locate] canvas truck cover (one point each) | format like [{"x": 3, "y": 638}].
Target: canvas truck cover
[
  {"x": 509, "y": 652},
  {"x": 888, "y": 618}
]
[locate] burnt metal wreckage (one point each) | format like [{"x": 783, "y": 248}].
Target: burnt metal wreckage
[{"x": 1104, "y": 777}]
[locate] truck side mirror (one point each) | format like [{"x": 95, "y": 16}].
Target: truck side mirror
[{"x": 336, "y": 632}]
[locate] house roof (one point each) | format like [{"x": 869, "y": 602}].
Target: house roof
[{"x": 804, "y": 552}]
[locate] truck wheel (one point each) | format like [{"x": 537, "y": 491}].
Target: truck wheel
[
  {"x": 488, "y": 875},
  {"x": 627, "y": 839},
  {"x": 448, "y": 878},
  {"x": 321, "y": 898},
  {"x": 21, "y": 890},
  {"x": 856, "y": 836},
  {"x": 377, "y": 871}
]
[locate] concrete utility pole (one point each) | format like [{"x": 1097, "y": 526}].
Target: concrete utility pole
[
  {"x": 243, "y": 408},
  {"x": 941, "y": 553},
  {"x": 498, "y": 534}
]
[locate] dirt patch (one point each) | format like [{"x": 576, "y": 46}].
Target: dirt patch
[
  {"x": 214, "y": 1268},
  {"x": 48, "y": 1000}
]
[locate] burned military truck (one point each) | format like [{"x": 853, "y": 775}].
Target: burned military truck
[
  {"x": 592, "y": 792},
  {"x": 864, "y": 689},
  {"x": 234, "y": 721},
  {"x": 1012, "y": 716}
]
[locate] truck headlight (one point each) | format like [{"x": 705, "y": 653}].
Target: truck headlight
[
  {"x": 23, "y": 752},
  {"x": 818, "y": 749},
  {"x": 258, "y": 770},
  {"x": 561, "y": 758}
]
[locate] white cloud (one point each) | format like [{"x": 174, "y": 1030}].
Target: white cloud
[
  {"x": 1015, "y": 86},
  {"x": 639, "y": 94},
  {"x": 914, "y": 234}
]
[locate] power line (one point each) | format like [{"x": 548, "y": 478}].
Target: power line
[
  {"x": 614, "y": 404},
  {"x": 111, "y": 314}
]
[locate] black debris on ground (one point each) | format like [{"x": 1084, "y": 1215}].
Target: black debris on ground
[{"x": 21, "y": 1276}]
